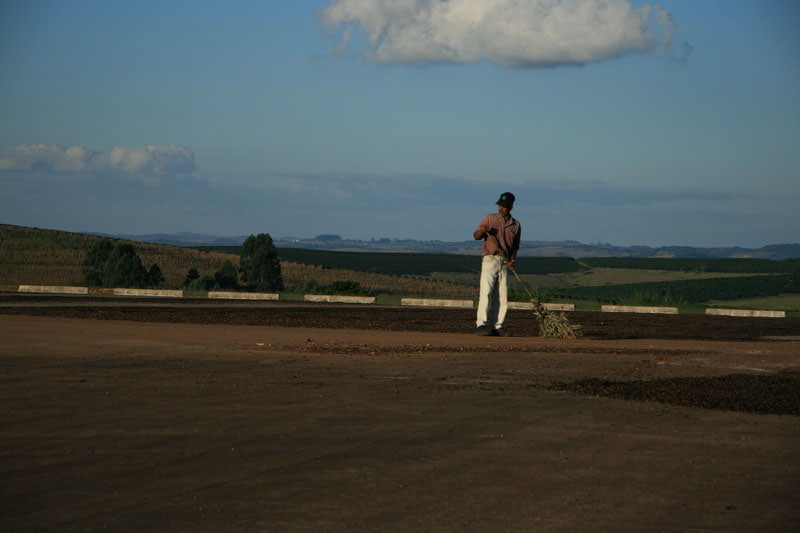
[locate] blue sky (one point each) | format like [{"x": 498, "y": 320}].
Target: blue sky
[{"x": 612, "y": 121}]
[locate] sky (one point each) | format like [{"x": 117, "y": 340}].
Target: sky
[{"x": 613, "y": 121}]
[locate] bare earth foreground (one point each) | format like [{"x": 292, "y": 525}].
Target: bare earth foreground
[{"x": 147, "y": 415}]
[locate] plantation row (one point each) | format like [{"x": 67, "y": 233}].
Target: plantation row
[
  {"x": 737, "y": 266},
  {"x": 413, "y": 264},
  {"x": 688, "y": 291},
  {"x": 425, "y": 263}
]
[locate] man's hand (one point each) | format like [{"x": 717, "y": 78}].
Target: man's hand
[
  {"x": 510, "y": 266},
  {"x": 480, "y": 233}
]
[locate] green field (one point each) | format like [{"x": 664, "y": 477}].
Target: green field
[
  {"x": 679, "y": 282},
  {"x": 411, "y": 264},
  {"x": 781, "y": 302},
  {"x": 685, "y": 292},
  {"x": 593, "y": 277}
]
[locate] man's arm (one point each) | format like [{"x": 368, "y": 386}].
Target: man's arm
[{"x": 483, "y": 230}]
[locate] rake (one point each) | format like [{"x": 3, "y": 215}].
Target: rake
[{"x": 551, "y": 325}]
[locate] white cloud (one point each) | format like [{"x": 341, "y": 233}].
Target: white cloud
[
  {"x": 146, "y": 161},
  {"x": 152, "y": 160},
  {"x": 46, "y": 157},
  {"x": 515, "y": 33}
]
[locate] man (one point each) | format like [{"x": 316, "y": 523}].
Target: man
[{"x": 501, "y": 236}]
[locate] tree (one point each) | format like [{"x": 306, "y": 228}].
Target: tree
[
  {"x": 353, "y": 288},
  {"x": 113, "y": 263},
  {"x": 206, "y": 283},
  {"x": 259, "y": 264},
  {"x": 154, "y": 276},
  {"x": 124, "y": 268},
  {"x": 227, "y": 277},
  {"x": 95, "y": 262},
  {"x": 192, "y": 275}
]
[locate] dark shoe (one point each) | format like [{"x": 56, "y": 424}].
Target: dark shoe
[
  {"x": 483, "y": 331},
  {"x": 503, "y": 332}
]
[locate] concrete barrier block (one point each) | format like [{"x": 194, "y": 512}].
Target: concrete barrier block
[
  {"x": 227, "y": 295},
  {"x": 158, "y": 293},
  {"x": 548, "y": 306},
  {"x": 432, "y": 302},
  {"x": 757, "y": 313},
  {"x": 334, "y": 298},
  {"x": 53, "y": 289},
  {"x": 101, "y": 290},
  {"x": 559, "y": 307},
  {"x": 638, "y": 309}
]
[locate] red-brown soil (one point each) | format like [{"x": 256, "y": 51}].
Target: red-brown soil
[{"x": 142, "y": 415}]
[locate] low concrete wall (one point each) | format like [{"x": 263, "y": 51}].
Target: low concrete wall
[
  {"x": 638, "y": 309},
  {"x": 101, "y": 290},
  {"x": 747, "y": 312},
  {"x": 53, "y": 289},
  {"x": 226, "y": 295},
  {"x": 160, "y": 293},
  {"x": 431, "y": 302},
  {"x": 332, "y": 298},
  {"x": 548, "y": 306}
]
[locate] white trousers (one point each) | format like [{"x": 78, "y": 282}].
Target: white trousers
[{"x": 493, "y": 303}]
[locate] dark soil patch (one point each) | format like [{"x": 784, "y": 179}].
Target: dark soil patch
[
  {"x": 593, "y": 325},
  {"x": 777, "y": 394}
]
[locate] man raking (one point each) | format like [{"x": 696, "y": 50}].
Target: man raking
[{"x": 501, "y": 236}]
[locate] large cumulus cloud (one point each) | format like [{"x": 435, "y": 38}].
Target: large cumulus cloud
[
  {"x": 145, "y": 161},
  {"x": 515, "y": 33}
]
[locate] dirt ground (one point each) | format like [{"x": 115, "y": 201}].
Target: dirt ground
[{"x": 134, "y": 415}]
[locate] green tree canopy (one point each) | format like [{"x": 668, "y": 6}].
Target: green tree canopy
[
  {"x": 205, "y": 283},
  {"x": 124, "y": 268},
  {"x": 192, "y": 275},
  {"x": 227, "y": 277},
  {"x": 112, "y": 263},
  {"x": 155, "y": 278},
  {"x": 95, "y": 262},
  {"x": 259, "y": 264}
]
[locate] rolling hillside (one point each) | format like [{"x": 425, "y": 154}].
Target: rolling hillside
[{"x": 50, "y": 257}]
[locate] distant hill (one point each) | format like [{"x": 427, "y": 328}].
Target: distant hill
[
  {"x": 528, "y": 248},
  {"x": 183, "y": 238}
]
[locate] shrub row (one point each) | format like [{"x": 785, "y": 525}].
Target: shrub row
[{"x": 737, "y": 266}]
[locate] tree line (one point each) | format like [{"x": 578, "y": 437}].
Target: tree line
[
  {"x": 728, "y": 265},
  {"x": 115, "y": 263}
]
